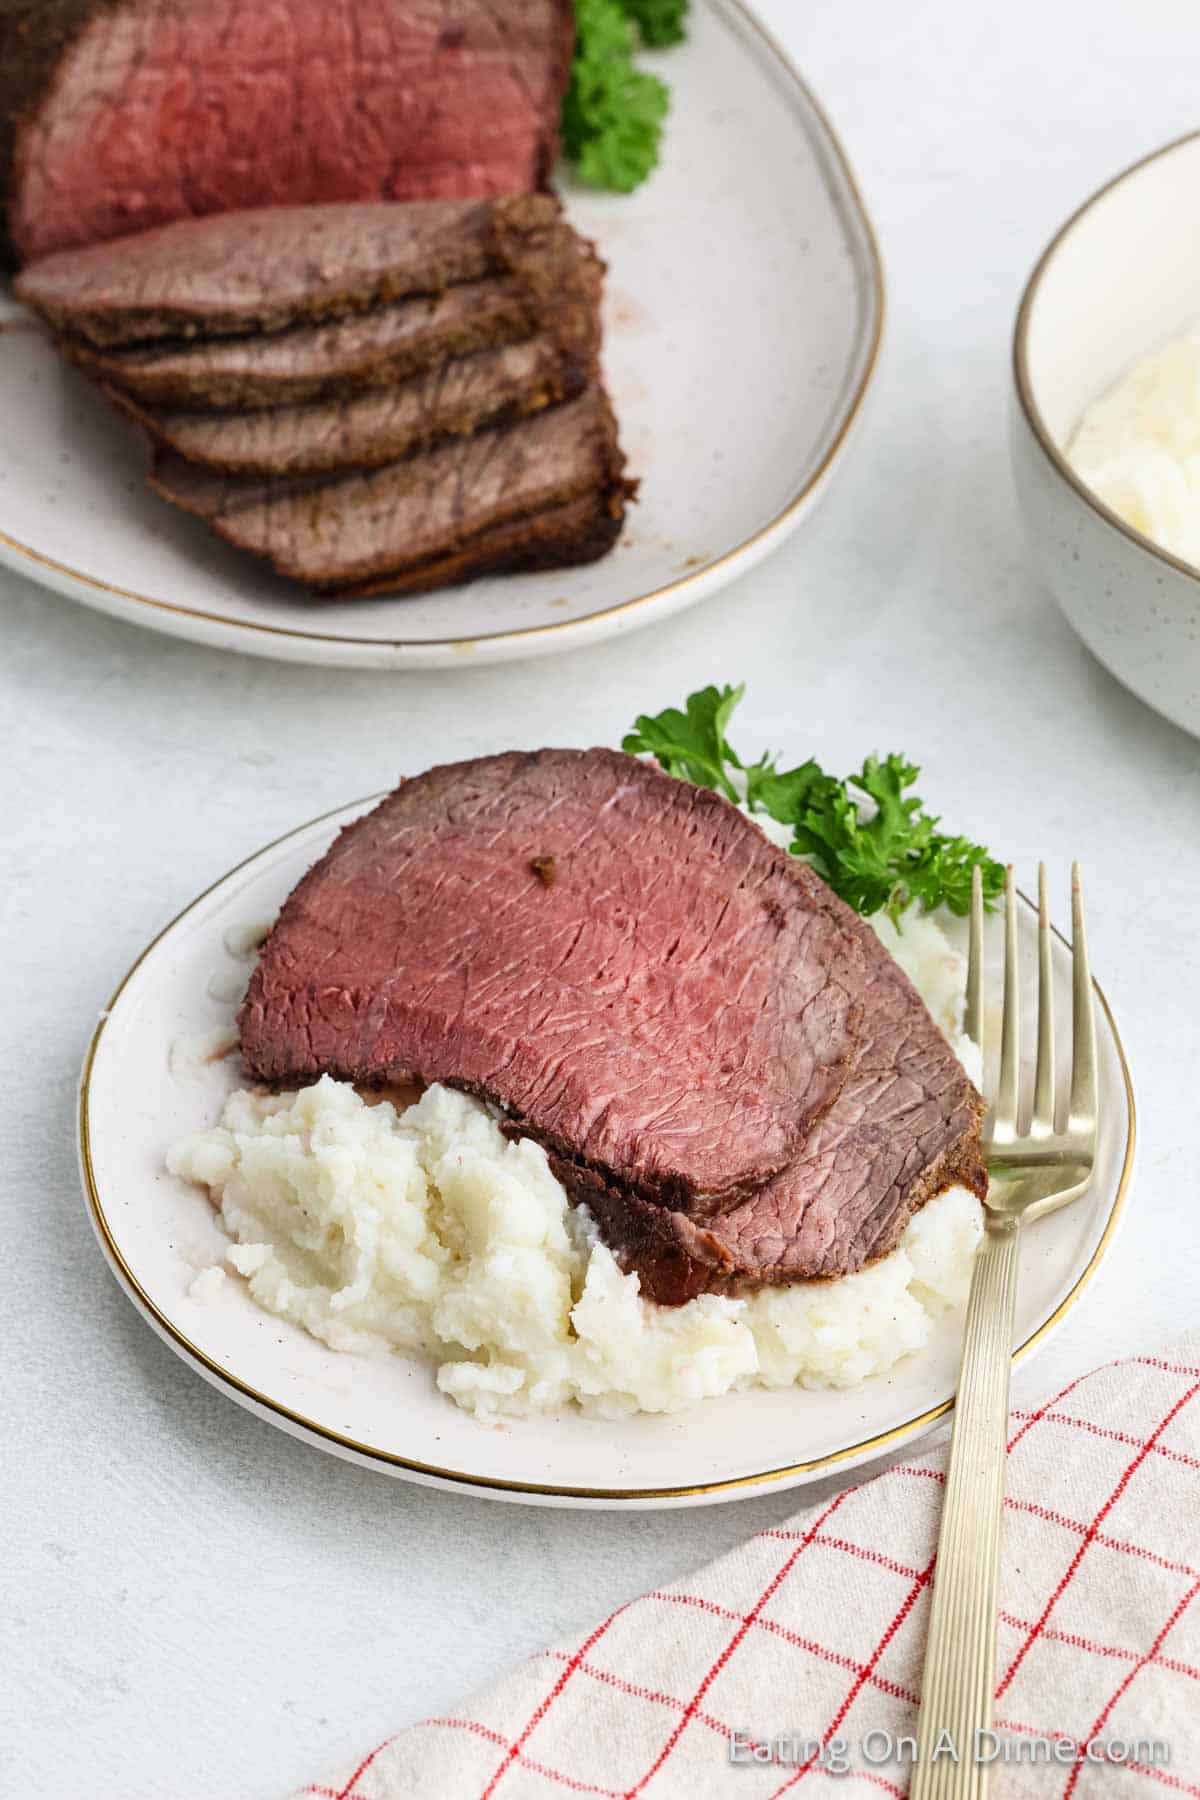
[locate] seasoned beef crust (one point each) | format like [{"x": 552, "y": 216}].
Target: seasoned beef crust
[
  {"x": 316, "y": 362},
  {"x": 372, "y": 532},
  {"x": 270, "y": 268},
  {"x": 560, "y": 537},
  {"x": 367, "y": 430}
]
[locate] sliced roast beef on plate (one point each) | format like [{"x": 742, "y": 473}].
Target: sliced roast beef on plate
[
  {"x": 366, "y": 430},
  {"x": 674, "y": 1007},
  {"x": 120, "y": 115},
  {"x": 495, "y": 452},
  {"x": 318, "y": 362},
  {"x": 721, "y": 1058},
  {"x": 278, "y": 266},
  {"x": 559, "y": 537},
  {"x": 463, "y": 508}
]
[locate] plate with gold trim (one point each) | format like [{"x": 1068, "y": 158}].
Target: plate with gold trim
[
  {"x": 743, "y": 322},
  {"x": 156, "y": 1070}
]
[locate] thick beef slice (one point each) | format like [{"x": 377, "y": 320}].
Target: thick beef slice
[
  {"x": 265, "y": 270},
  {"x": 119, "y": 115},
  {"x": 313, "y": 362},
  {"x": 377, "y": 427},
  {"x": 673, "y": 1012},
  {"x": 352, "y": 532},
  {"x": 553, "y": 283},
  {"x": 556, "y": 538},
  {"x": 904, "y": 1128}
]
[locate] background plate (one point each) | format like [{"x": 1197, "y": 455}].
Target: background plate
[
  {"x": 145, "y": 1084},
  {"x": 744, "y": 310}
]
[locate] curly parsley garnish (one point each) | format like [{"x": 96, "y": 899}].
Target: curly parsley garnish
[
  {"x": 868, "y": 836},
  {"x": 661, "y": 22},
  {"x": 613, "y": 113}
]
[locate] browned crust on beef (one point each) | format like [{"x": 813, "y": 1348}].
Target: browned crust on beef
[
  {"x": 223, "y": 372},
  {"x": 554, "y": 285},
  {"x": 563, "y": 537},
  {"x": 650, "y": 1244},
  {"x": 369, "y": 430},
  {"x": 267, "y": 268},
  {"x": 33, "y": 36},
  {"x": 226, "y": 503},
  {"x": 560, "y": 279}
]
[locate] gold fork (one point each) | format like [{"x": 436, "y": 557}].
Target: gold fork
[{"x": 1031, "y": 1171}]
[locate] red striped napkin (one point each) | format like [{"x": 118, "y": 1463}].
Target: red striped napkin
[{"x": 797, "y": 1658}]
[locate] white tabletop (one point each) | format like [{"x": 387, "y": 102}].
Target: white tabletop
[{"x": 195, "y": 1605}]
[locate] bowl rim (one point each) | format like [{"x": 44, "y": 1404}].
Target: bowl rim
[{"x": 1024, "y": 384}]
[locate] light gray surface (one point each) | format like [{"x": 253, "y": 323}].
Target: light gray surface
[{"x": 196, "y": 1606}]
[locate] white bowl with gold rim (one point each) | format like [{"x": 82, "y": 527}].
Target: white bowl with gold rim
[{"x": 1120, "y": 279}]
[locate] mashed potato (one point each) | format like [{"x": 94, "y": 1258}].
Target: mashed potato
[
  {"x": 428, "y": 1231},
  {"x": 1138, "y": 447}
]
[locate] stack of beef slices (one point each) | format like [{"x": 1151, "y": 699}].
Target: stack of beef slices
[
  {"x": 373, "y": 398},
  {"x": 721, "y": 1059}
]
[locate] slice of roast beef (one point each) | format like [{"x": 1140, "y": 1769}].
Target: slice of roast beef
[
  {"x": 367, "y": 430},
  {"x": 672, "y": 1011},
  {"x": 557, "y": 538},
  {"x": 315, "y": 362},
  {"x": 368, "y": 532},
  {"x": 120, "y": 115},
  {"x": 904, "y": 1128},
  {"x": 265, "y": 270},
  {"x": 554, "y": 285}
]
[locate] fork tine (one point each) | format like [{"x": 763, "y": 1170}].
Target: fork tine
[
  {"x": 1042, "y": 1123},
  {"x": 973, "y": 1015},
  {"x": 1083, "y": 1047},
  {"x": 1004, "y": 1120}
]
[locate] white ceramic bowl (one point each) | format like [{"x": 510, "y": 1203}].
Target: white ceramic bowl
[{"x": 1121, "y": 278}]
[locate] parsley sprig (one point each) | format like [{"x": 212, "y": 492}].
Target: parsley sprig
[
  {"x": 614, "y": 112},
  {"x": 661, "y": 22},
  {"x": 868, "y": 836}
]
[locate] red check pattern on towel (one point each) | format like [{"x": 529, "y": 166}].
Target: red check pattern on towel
[{"x": 813, "y": 1634}]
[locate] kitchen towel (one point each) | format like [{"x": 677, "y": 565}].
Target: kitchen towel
[{"x": 796, "y": 1659}]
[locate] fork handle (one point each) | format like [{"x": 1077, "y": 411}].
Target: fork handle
[{"x": 960, "y": 1654}]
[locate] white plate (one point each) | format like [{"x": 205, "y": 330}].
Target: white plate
[
  {"x": 158, "y": 1232},
  {"x": 744, "y": 311}
]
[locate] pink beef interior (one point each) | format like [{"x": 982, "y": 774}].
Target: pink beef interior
[
  {"x": 674, "y": 1010},
  {"x": 904, "y": 1128},
  {"x": 158, "y": 112}
]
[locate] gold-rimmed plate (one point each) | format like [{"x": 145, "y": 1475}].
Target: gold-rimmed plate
[
  {"x": 744, "y": 312},
  {"x": 153, "y": 1075}
]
